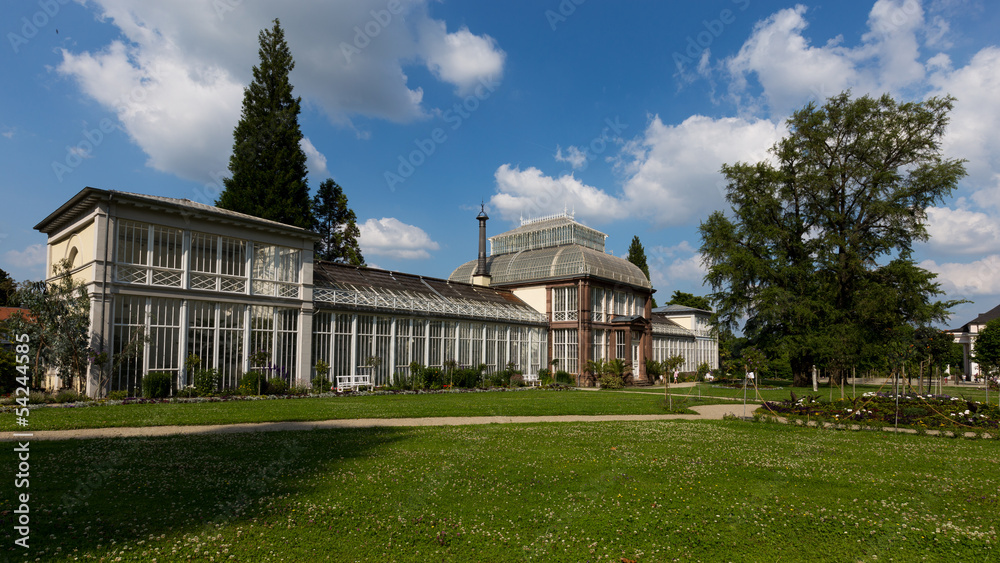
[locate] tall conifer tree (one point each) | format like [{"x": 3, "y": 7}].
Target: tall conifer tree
[
  {"x": 337, "y": 226},
  {"x": 268, "y": 165},
  {"x": 637, "y": 256}
]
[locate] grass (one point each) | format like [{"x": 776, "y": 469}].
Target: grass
[
  {"x": 651, "y": 491},
  {"x": 534, "y": 402}
]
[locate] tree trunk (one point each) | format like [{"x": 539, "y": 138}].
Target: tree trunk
[{"x": 801, "y": 373}]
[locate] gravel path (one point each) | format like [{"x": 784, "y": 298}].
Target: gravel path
[{"x": 705, "y": 412}]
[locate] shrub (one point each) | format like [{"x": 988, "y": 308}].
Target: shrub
[
  {"x": 252, "y": 383},
  {"x": 206, "y": 381},
  {"x": 546, "y": 380},
  {"x": 564, "y": 377},
  {"x": 188, "y": 392},
  {"x": 8, "y": 371},
  {"x": 277, "y": 386},
  {"x": 497, "y": 379},
  {"x": 120, "y": 395},
  {"x": 320, "y": 384},
  {"x": 433, "y": 378},
  {"x": 157, "y": 384},
  {"x": 67, "y": 396},
  {"x": 611, "y": 381},
  {"x": 703, "y": 370},
  {"x": 467, "y": 377},
  {"x": 517, "y": 380},
  {"x": 38, "y": 398}
]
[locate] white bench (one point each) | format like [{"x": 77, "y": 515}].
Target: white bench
[
  {"x": 353, "y": 381},
  {"x": 531, "y": 379}
]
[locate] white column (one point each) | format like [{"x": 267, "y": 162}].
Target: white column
[
  {"x": 354, "y": 345},
  {"x": 183, "y": 377},
  {"x": 304, "y": 370}
]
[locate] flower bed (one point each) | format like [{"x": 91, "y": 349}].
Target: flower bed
[{"x": 927, "y": 411}]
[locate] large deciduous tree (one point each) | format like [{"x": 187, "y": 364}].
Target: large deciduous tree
[
  {"x": 268, "y": 164},
  {"x": 815, "y": 255},
  {"x": 337, "y": 226}
]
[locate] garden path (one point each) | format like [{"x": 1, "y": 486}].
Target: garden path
[{"x": 705, "y": 412}]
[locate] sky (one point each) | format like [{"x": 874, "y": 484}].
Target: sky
[{"x": 621, "y": 113}]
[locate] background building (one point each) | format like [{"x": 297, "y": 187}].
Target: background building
[{"x": 966, "y": 336}]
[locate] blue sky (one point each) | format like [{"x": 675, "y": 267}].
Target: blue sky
[{"x": 622, "y": 112}]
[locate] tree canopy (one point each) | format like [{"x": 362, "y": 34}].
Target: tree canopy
[
  {"x": 268, "y": 165},
  {"x": 337, "y": 226},
  {"x": 8, "y": 290},
  {"x": 815, "y": 255},
  {"x": 58, "y": 325},
  {"x": 986, "y": 351},
  {"x": 689, "y": 300}
]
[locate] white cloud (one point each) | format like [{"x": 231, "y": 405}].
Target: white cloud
[
  {"x": 671, "y": 174},
  {"x": 461, "y": 58},
  {"x": 530, "y": 193},
  {"x": 981, "y": 277},
  {"x": 574, "y": 156},
  {"x": 315, "y": 160},
  {"x": 974, "y": 121},
  {"x": 787, "y": 67},
  {"x": 670, "y": 266},
  {"x": 175, "y": 80},
  {"x": 673, "y": 170},
  {"x": 30, "y": 257},
  {"x": 791, "y": 70},
  {"x": 391, "y": 237},
  {"x": 959, "y": 231}
]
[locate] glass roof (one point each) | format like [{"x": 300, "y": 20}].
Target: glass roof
[
  {"x": 546, "y": 232},
  {"x": 551, "y": 263}
]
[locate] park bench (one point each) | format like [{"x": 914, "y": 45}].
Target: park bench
[
  {"x": 531, "y": 379},
  {"x": 353, "y": 381}
]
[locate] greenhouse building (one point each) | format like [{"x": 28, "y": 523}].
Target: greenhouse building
[{"x": 242, "y": 293}]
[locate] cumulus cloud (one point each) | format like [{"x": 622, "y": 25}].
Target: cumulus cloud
[
  {"x": 461, "y": 58},
  {"x": 175, "y": 80},
  {"x": 392, "y": 238},
  {"x": 981, "y": 277},
  {"x": 30, "y": 257},
  {"x": 672, "y": 171},
  {"x": 960, "y": 231},
  {"x": 315, "y": 160},
  {"x": 975, "y": 119},
  {"x": 574, "y": 156},
  {"x": 790, "y": 69},
  {"x": 671, "y": 174},
  {"x": 670, "y": 266},
  {"x": 530, "y": 193}
]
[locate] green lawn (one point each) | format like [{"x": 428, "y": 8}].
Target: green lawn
[
  {"x": 535, "y": 402},
  {"x": 651, "y": 491}
]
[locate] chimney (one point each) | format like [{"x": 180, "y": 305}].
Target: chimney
[{"x": 482, "y": 275}]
